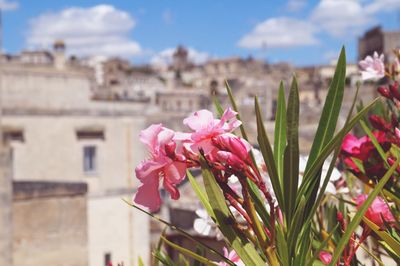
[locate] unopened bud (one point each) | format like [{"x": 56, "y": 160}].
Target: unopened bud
[
  {"x": 385, "y": 92},
  {"x": 379, "y": 124}
]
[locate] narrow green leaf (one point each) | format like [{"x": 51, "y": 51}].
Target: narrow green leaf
[
  {"x": 291, "y": 156},
  {"x": 236, "y": 240},
  {"x": 140, "y": 261},
  {"x": 218, "y": 106},
  {"x": 180, "y": 231},
  {"x": 360, "y": 213},
  {"x": 280, "y": 132},
  {"x": 267, "y": 154},
  {"x": 375, "y": 142},
  {"x": 296, "y": 226},
  {"x": 328, "y": 148},
  {"x": 255, "y": 193},
  {"x": 392, "y": 243},
  {"x": 334, "y": 158},
  {"x": 163, "y": 258},
  {"x": 260, "y": 206},
  {"x": 200, "y": 193},
  {"x": 330, "y": 111},
  {"x": 322, "y": 245},
  {"x": 235, "y": 108},
  {"x": 189, "y": 253},
  {"x": 282, "y": 247}
]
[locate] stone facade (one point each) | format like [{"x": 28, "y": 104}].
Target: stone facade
[
  {"x": 59, "y": 130},
  {"x": 49, "y": 224},
  {"x": 380, "y": 41}
]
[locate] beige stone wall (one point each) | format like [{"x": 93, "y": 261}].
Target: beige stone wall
[
  {"x": 6, "y": 226},
  {"x": 50, "y": 224},
  {"x": 52, "y": 151},
  {"x": 117, "y": 229}
]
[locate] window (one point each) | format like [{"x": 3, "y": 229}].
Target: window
[
  {"x": 107, "y": 259},
  {"x": 89, "y": 159}
]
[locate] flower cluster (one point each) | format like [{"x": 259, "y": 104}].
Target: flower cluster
[
  {"x": 378, "y": 213},
  {"x": 172, "y": 153},
  {"x": 270, "y": 201}
]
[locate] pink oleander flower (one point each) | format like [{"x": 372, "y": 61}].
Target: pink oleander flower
[
  {"x": 377, "y": 210},
  {"x": 232, "y": 256},
  {"x": 234, "y": 144},
  {"x": 325, "y": 257},
  {"x": 372, "y": 67},
  {"x": 205, "y": 127},
  {"x": 160, "y": 166}
]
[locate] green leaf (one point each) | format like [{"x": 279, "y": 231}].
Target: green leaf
[
  {"x": 235, "y": 108},
  {"x": 218, "y": 107},
  {"x": 140, "y": 261},
  {"x": 334, "y": 158},
  {"x": 392, "y": 243},
  {"x": 322, "y": 245},
  {"x": 268, "y": 156},
  {"x": 360, "y": 213},
  {"x": 163, "y": 258},
  {"x": 189, "y": 253},
  {"x": 200, "y": 193},
  {"x": 330, "y": 112},
  {"x": 180, "y": 231},
  {"x": 291, "y": 157},
  {"x": 259, "y": 205},
  {"x": 375, "y": 142},
  {"x": 328, "y": 148},
  {"x": 282, "y": 247},
  {"x": 235, "y": 239},
  {"x": 296, "y": 226},
  {"x": 280, "y": 132}
]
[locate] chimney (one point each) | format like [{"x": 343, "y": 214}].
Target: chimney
[{"x": 59, "y": 54}]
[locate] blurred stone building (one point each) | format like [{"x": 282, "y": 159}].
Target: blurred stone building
[
  {"x": 61, "y": 130},
  {"x": 376, "y": 39}
]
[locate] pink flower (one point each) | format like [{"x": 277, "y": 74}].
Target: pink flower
[
  {"x": 232, "y": 256},
  {"x": 325, "y": 257},
  {"x": 352, "y": 145},
  {"x": 372, "y": 67},
  {"x": 160, "y": 166},
  {"x": 229, "y": 142},
  {"x": 205, "y": 127},
  {"x": 230, "y": 159},
  {"x": 376, "y": 210}
]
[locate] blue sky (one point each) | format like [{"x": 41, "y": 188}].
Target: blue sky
[{"x": 298, "y": 31}]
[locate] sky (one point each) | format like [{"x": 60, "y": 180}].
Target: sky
[{"x": 297, "y": 31}]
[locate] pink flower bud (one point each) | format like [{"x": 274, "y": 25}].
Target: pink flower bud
[
  {"x": 230, "y": 159},
  {"x": 234, "y": 144},
  {"x": 325, "y": 257},
  {"x": 379, "y": 124},
  {"x": 397, "y": 132},
  {"x": 385, "y": 92},
  {"x": 394, "y": 89},
  {"x": 170, "y": 149}
]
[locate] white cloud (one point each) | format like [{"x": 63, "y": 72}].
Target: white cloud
[
  {"x": 100, "y": 30},
  {"x": 296, "y": 5},
  {"x": 167, "y": 16},
  {"x": 7, "y": 5},
  {"x": 164, "y": 58},
  {"x": 382, "y": 6},
  {"x": 341, "y": 17},
  {"x": 280, "y": 32}
]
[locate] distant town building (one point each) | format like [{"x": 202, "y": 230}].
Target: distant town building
[
  {"x": 59, "y": 131},
  {"x": 380, "y": 41}
]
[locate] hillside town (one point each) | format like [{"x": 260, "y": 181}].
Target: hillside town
[{"x": 70, "y": 144}]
